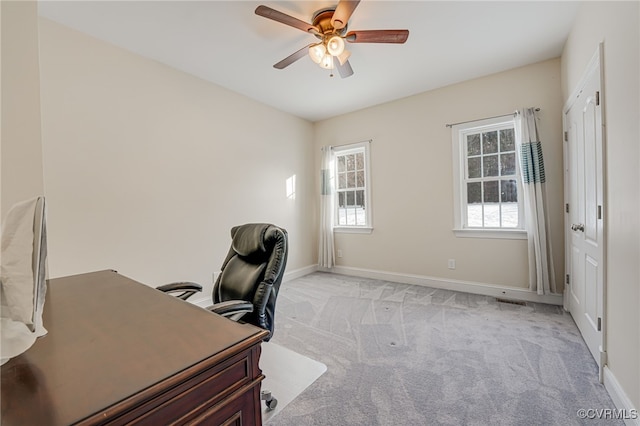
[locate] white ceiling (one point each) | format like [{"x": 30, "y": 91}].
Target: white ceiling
[{"x": 226, "y": 43}]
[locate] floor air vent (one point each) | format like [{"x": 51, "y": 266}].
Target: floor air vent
[{"x": 511, "y": 302}]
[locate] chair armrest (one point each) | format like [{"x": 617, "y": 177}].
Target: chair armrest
[
  {"x": 232, "y": 309},
  {"x": 187, "y": 289}
]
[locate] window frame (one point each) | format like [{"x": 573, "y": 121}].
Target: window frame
[
  {"x": 353, "y": 148},
  {"x": 460, "y": 180}
]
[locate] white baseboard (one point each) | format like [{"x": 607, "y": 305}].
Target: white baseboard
[
  {"x": 300, "y": 272},
  {"x": 422, "y": 280},
  {"x": 456, "y": 285},
  {"x": 620, "y": 399}
]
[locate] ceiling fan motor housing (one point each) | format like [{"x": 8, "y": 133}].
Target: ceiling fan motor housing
[{"x": 322, "y": 20}]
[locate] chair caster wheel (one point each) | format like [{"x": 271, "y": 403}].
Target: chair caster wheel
[
  {"x": 269, "y": 400},
  {"x": 272, "y": 404}
]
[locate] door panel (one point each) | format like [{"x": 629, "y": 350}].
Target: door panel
[
  {"x": 590, "y": 158},
  {"x": 591, "y": 298},
  {"x": 584, "y": 194},
  {"x": 577, "y": 286}
]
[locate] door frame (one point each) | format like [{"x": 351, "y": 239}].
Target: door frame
[{"x": 596, "y": 60}]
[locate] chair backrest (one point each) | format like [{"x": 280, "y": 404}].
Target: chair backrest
[{"x": 253, "y": 271}]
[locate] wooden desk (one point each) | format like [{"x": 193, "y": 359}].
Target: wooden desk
[{"x": 120, "y": 352}]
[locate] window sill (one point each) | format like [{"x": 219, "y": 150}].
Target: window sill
[
  {"x": 352, "y": 229},
  {"x": 505, "y": 234}
]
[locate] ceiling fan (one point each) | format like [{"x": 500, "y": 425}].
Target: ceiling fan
[{"x": 329, "y": 25}]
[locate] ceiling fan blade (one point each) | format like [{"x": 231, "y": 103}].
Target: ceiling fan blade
[
  {"x": 292, "y": 58},
  {"x": 275, "y": 15},
  {"x": 343, "y": 12},
  {"x": 345, "y": 69},
  {"x": 377, "y": 36}
]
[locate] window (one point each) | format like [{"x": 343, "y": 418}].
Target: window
[
  {"x": 352, "y": 183},
  {"x": 486, "y": 180}
]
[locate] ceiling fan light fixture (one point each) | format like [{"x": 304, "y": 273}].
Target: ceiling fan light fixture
[
  {"x": 317, "y": 52},
  {"x": 327, "y": 62},
  {"x": 335, "y": 45}
]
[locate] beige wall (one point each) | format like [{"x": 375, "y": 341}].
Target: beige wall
[
  {"x": 21, "y": 148},
  {"x": 412, "y": 189},
  {"x": 616, "y": 23},
  {"x": 147, "y": 168}
]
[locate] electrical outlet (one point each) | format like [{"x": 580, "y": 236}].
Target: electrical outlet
[
  {"x": 339, "y": 253},
  {"x": 451, "y": 264}
]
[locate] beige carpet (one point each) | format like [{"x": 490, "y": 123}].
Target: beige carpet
[{"x": 287, "y": 374}]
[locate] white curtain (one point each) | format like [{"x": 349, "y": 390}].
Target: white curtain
[
  {"x": 531, "y": 163},
  {"x": 326, "y": 256}
]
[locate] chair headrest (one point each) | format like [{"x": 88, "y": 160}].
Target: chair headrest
[{"x": 248, "y": 240}]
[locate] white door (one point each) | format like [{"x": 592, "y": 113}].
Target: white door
[{"x": 584, "y": 211}]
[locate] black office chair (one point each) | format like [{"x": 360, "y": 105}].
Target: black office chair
[{"x": 247, "y": 287}]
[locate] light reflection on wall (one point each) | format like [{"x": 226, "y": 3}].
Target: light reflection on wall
[{"x": 291, "y": 187}]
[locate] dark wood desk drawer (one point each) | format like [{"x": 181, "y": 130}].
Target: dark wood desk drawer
[
  {"x": 238, "y": 410},
  {"x": 211, "y": 395}
]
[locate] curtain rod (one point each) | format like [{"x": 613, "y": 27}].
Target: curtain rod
[{"x": 486, "y": 118}]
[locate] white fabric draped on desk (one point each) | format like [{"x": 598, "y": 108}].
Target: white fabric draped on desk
[{"x": 22, "y": 270}]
